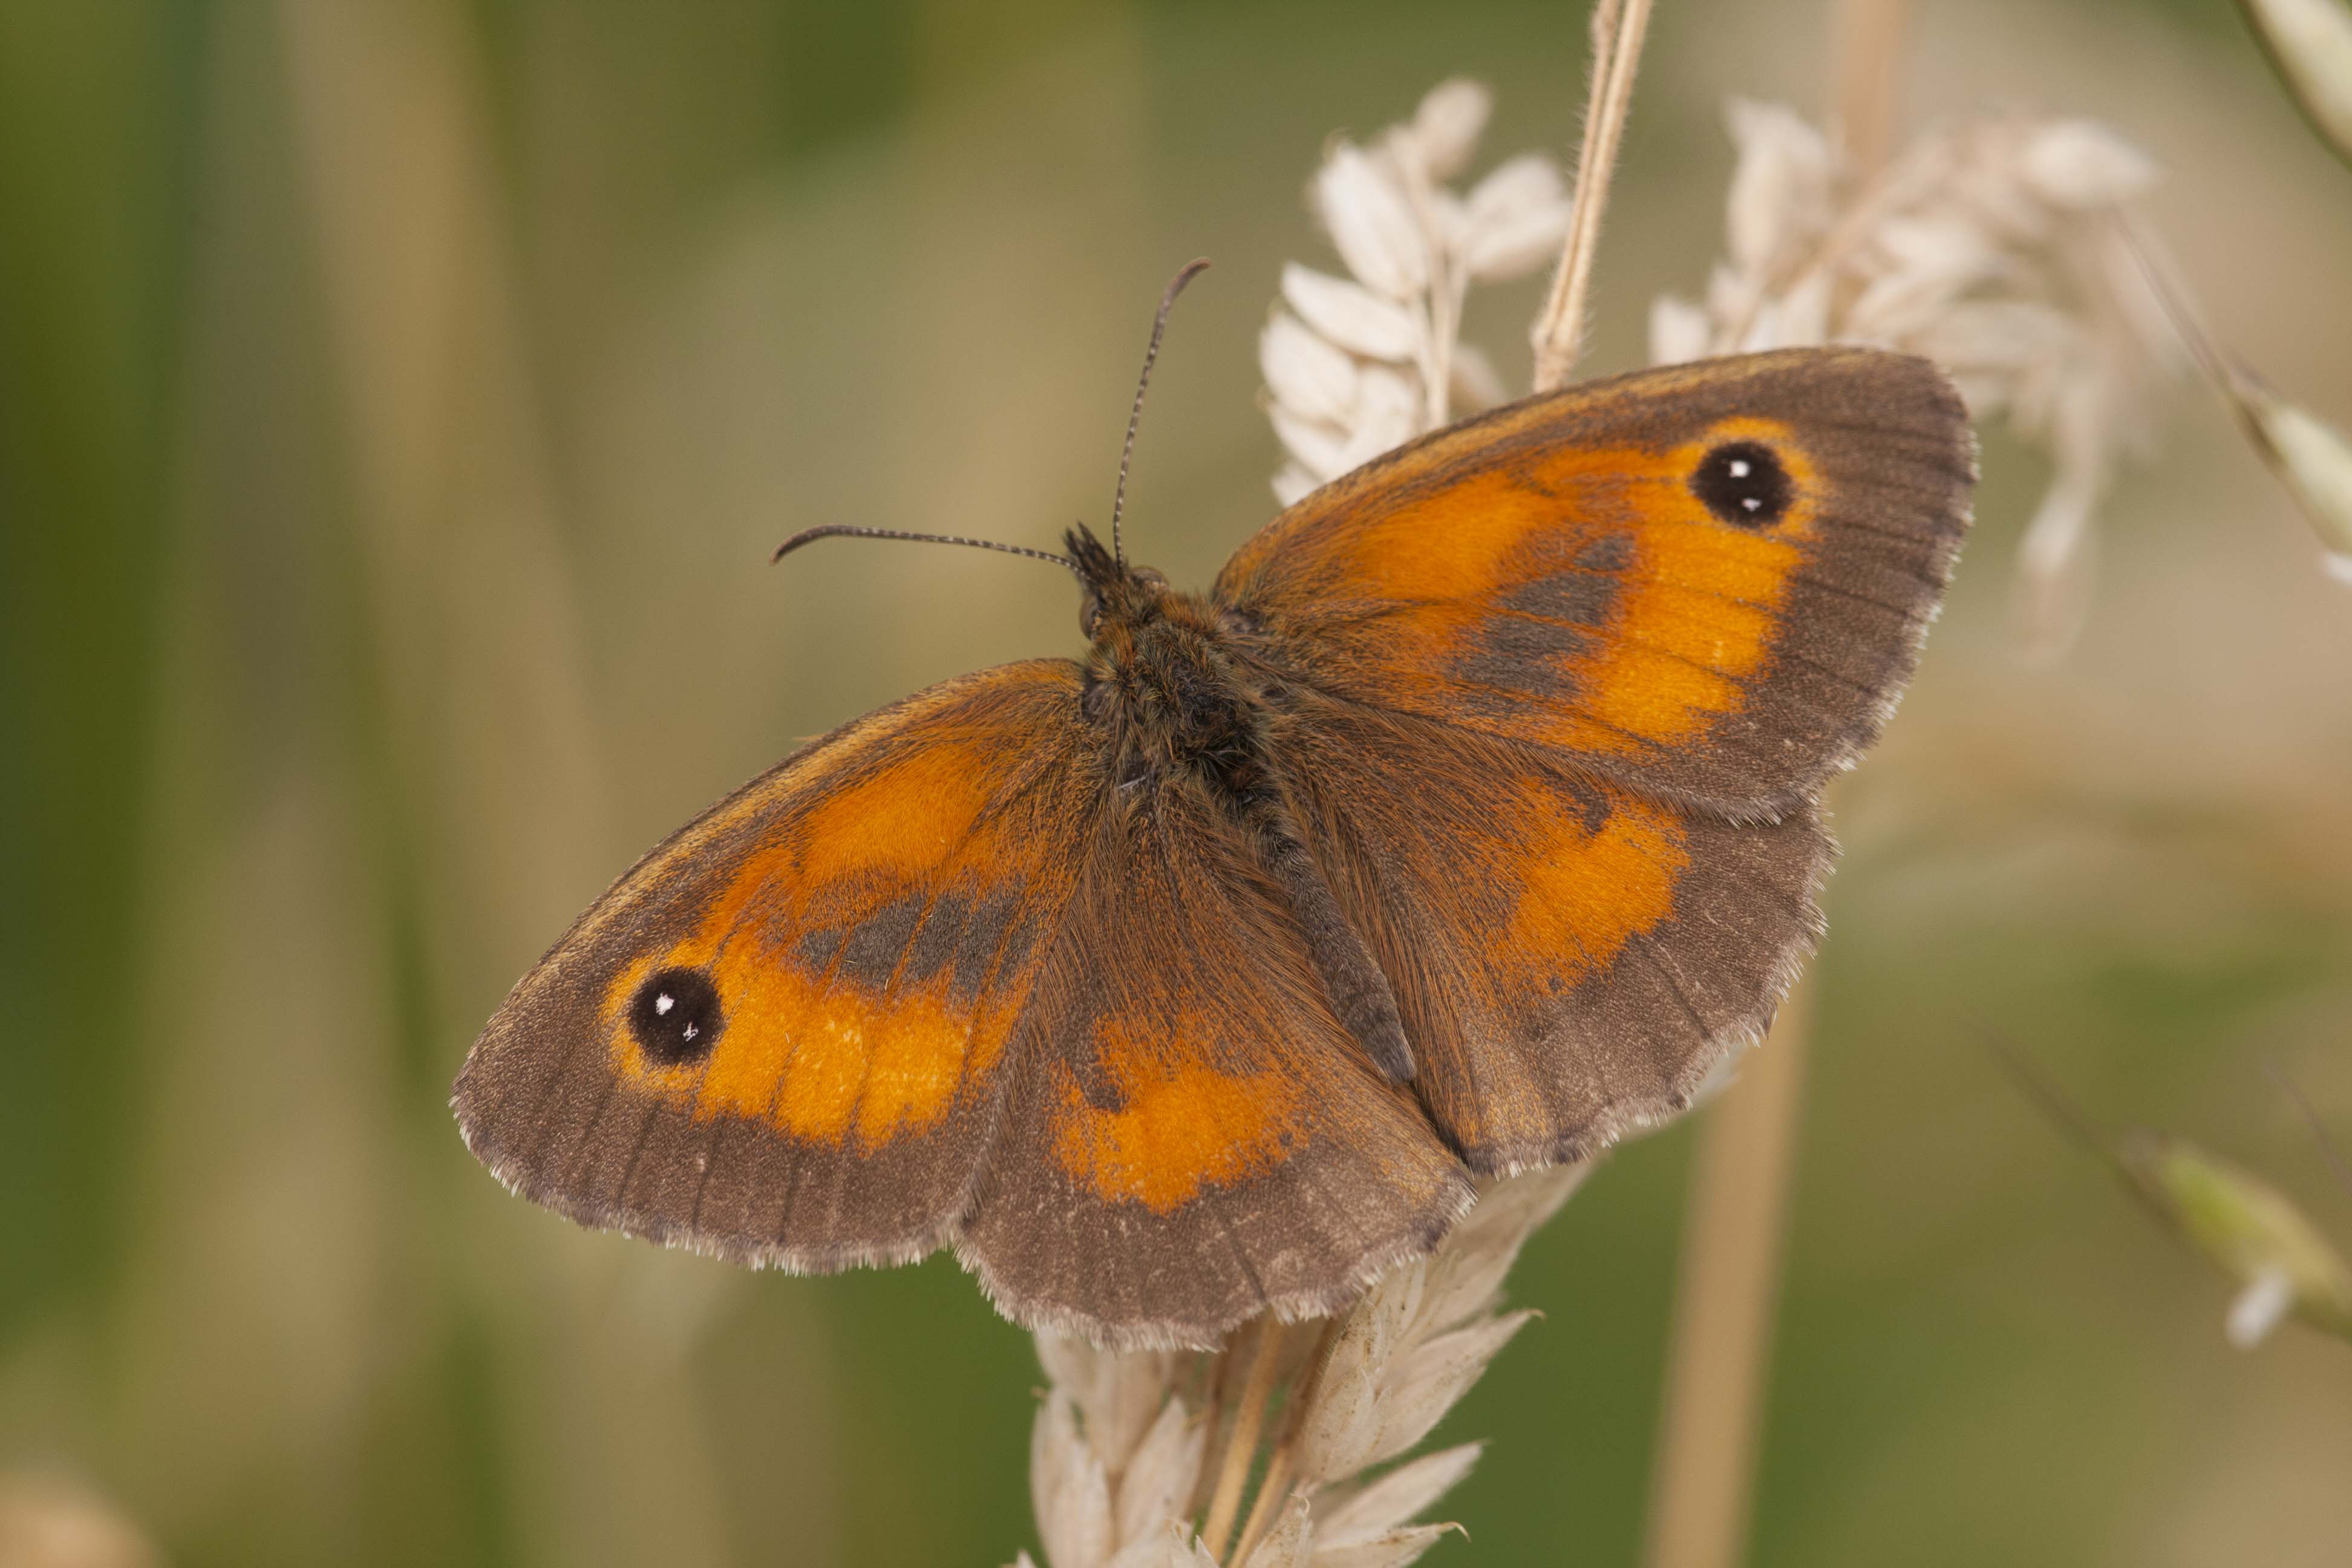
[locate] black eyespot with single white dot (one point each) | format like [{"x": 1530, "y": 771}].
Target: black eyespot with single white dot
[
  {"x": 675, "y": 1017},
  {"x": 1743, "y": 482}
]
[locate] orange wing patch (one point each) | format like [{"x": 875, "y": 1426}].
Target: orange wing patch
[
  {"x": 1585, "y": 888},
  {"x": 1175, "y": 1126}
]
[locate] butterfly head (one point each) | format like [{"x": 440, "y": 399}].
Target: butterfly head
[{"x": 1118, "y": 595}]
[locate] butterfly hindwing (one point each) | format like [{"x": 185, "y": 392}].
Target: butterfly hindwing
[
  {"x": 1708, "y": 582},
  {"x": 1194, "y": 1137},
  {"x": 1570, "y": 957},
  {"x": 783, "y": 1035}
]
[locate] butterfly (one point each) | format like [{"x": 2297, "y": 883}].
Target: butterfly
[{"x": 1460, "y": 828}]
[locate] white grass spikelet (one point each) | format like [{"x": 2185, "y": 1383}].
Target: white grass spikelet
[
  {"x": 2312, "y": 459},
  {"x": 1428, "y": 1382},
  {"x": 1388, "y": 1549},
  {"x": 2082, "y": 165},
  {"x": 1779, "y": 188},
  {"x": 1399, "y": 1496},
  {"x": 1373, "y": 224},
  {"x": 1412, "y": 246},
  {"x": 1447, "y": 125},
  {"x": 1287, "y": 1544},
  {"x": 1408, "y": 1351},
  {"x": 1160, "y": 1475},
  {"x": 1514, "y": 220},
  {"x": 1351, "y": 316},
  {"x": 1068, "y": 1487},
  {"x": 1306, "y": 373},
  {"x": 1172, "y": 1545}
]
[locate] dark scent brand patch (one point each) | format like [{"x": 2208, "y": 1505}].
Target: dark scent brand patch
[
  {"x": 1581, "y": 598},
  {"x": 870, "y": 957},
  {"x": 675, "y": 1017},
  {"x": 1612, "y": 553},
  {"x": 817, "y": 947},
  {"x": 976, "y": 955},
  {"x": 1517, "y": 655},
  {"x": 1093, "y": 1078},
  {"x": 936, "y": 939},
  {"x": 1745, "y": 483}
]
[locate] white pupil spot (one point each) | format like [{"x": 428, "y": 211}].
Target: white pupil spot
[
  {"x": 662, "y": 1004},
  {"x": 691, "y": 1031},
  {"x": 1740, "y": 467},
  {"x": 1751, "y": 503}
]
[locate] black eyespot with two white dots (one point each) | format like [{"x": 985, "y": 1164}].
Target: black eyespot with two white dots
[
  {"x": 1745, "y": 483},
  {"x": 675, "y": 1017}
]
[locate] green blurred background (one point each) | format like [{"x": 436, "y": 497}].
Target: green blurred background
[{"x": 397, "y": 399}]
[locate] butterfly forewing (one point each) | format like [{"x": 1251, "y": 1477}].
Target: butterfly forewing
[
  {"x": 783, "y": 1034},
  {"x": 1708, "y": 582}
]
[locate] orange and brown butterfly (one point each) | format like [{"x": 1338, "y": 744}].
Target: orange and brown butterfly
[{"x": 1463, "y": 823}]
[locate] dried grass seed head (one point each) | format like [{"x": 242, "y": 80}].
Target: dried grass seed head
[
  {"x": 1355, "y": 365},
  {"x": 1995, "y": 248}
]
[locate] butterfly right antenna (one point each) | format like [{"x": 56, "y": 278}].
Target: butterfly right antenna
[{"x": 1191, "y": 270}]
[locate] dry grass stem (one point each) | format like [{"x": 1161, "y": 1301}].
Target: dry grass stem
[
  {"x": 1242, "y": 1446},
  {"x": 1619, "y": 28},
  {"x": 1274, "y": 1491},
  {"x": 1726, "y": 1293},
  {"x": 1870, "y": 73}
]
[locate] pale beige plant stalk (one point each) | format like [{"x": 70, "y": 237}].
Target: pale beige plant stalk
[{"x": 1619, "y": 28}]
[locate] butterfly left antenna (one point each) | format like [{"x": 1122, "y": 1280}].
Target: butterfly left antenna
[
  {"x": 1192, "y": 269},
  {"x": 844, "y": 530}
]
